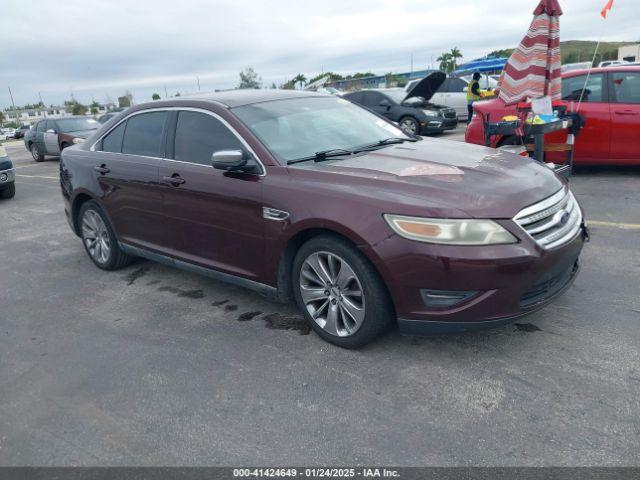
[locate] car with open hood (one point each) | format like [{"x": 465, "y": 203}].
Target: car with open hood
[
  {"x": 51, "y": 136},
  {"x": 304, "y": 196},
  {"x": 410, "y": 109}
]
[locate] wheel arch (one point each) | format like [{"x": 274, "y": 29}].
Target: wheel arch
[{"x": 78, "y": 200}]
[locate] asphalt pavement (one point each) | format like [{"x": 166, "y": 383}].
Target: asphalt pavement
[{"x": 154, "y": 366}]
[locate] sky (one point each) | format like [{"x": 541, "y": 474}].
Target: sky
[{"x": 98, "y": 49}]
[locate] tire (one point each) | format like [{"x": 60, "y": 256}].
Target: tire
[
  {"x": 37, "y": 156},
  {"x": 331, "y": 295},
  {"x": 8, "y": 191},
  {"x": 410, "y": 125},
  {"x": 104, "y": 250}
]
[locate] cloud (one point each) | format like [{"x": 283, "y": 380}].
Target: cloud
[{"x": 101, "y": 47}]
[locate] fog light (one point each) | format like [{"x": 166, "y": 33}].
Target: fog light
[
  {"x": 445, "y": 298},
  {"x": 3, "y": 177}
]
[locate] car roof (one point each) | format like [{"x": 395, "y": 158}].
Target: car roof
[
  {"x": 237, "y": 98},
  {"x": 611, "y": 68}
]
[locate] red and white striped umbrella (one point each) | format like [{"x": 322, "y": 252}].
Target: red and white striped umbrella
[{"x": 533, "y": 71}]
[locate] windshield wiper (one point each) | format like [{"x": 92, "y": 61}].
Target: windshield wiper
[
  {"x": 322, "y": 155},
  {"x": 386, "y": 141}
]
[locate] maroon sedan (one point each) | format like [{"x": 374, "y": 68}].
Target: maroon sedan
[{"x": 297, "y": 194}]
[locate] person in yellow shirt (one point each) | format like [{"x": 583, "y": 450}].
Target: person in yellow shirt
[{"x": 473, "y": 94}]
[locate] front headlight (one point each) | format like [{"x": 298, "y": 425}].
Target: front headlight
[
  {"x": 450, "y": 231},
  {"x": 77, "y": 140},
  {"x": 431, "y": 113}
]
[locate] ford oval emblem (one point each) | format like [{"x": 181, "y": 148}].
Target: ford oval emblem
[{"x": 564, "y": 218}]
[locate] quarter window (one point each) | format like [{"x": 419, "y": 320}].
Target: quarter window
[
  {"x": 199, "y": 135},
  {"x": 113, "y": 141},
  {"x": 143, "y": 134},
  {"x": 626, "y": 86},
  {"x": 573, "y": 87}
]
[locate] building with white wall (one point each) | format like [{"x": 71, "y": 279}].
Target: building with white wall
[{"x": 630, "y": 53}]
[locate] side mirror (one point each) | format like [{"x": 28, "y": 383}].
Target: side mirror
[
  {"x": 230, "y": 160},
  {"x": 384, "y": 103},
  {"x": 51, "y": 130}
]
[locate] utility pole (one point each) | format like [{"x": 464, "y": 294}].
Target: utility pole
[
  {"x": 411, "y": 63},
  {"x": 198, "y": 80},
  {"x": 166, "y": 95},
  {"x": 15, "y": 111},
  {"x": 43, "y": 105}
]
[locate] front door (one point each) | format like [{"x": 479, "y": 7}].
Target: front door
[
  {"x": 126, "y": 168},
  {"x": 625, "y": 116},
  {"x": 214, "y": 218},
  {"x": 378, "y": 103},
  {"x": 593, "y": 143},
  {"x": 51, "y": 145}
]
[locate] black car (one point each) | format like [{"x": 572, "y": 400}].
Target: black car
[
  {"x": 411, "y": 110},
  {"x": 7, "y": 176}
]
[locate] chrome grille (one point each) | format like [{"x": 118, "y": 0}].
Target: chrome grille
[{"x": 553, "y": 221}]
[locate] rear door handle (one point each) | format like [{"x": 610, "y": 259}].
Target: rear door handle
[
  {"x": 174, "y": 180},
  {"x": 627, "y": 112},
  {"x": 102, "y": 169}
]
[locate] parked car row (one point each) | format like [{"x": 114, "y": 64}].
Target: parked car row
[
  {"x": 611, "y": 108},
  {"x": 313, "y": 197},
  {"x": 50, "y": 137}
]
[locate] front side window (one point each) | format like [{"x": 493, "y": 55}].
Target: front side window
[
  {"x": 298, "y": 128},
  {"x": 112, "y": 142},
  {"x": 574, "y": 87},
  {"x": 143, "y": 134},
  {"x": 199, "y": 135},
  {"x": 40, "y": 126},
  {"x": 626, "y": 86}
]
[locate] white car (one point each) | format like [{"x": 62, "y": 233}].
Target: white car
[
  {"x": 453, "y": 93},
  {"x": 612, "y": 63},
  {"x": 7, "y": 133}
]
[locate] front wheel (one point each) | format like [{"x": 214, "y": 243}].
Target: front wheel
[
  {"x": 99, "y": 239},
  {"x": 35, "y": 153},
  {"x": 410, "y": 125},
  {"x": 340, "y": 293},
  {"x": 8, "y": 191}
]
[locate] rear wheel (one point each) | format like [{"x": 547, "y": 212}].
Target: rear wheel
[
  {"x": 410, "y": 125},
  {"x": 340, "y": 293},
  {"x": 99, "y": 239},
  {"x": 8, "y": 191},
  {"x": 35, "y": 153}
]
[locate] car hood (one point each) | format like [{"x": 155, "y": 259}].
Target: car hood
[
  {"x": 428, "y": 86},
  {"x": 450, "y": 178},
  {"x": 80, "y": 133}
]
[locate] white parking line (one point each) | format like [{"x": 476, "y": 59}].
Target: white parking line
[{"x": 38, "y": 176}]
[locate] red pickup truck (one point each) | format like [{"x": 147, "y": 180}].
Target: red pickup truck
[{"x": 610, "y": 106}]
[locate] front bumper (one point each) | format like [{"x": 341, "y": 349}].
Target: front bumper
[
  {"x": 509, "y": 281},
  {"x": 437, "y": 125},
  {"x": 7, "y": 177}
]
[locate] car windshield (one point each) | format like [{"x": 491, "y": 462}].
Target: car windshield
[
  {"x": 69, "y": 125},
  {"x": 298, "y": 128}
]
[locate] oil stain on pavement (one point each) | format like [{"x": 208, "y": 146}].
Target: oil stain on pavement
[
  {"x": 527, "y": 327},
  {"x": 245, "y": 317},
  {"x": 183, "y": 293},
  {"x": 276, "y": 321},
  {"x": 136, "y": 274}
]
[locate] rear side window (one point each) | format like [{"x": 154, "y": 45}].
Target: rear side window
[
  {"x": 626, "y": 86},
  {"x": 456, "y": 85},
  {"x": 356, "y": 97},
  {"x": 572, "y": 88},
  {"x": 143, "y": 135},
  {"x": 199, "y": 135},
  {"x": 113, "y": 141},
  {"x": 40, "y": 126}
]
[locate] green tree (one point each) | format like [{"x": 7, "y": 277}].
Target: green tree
[
  {"x": 288, "y": 85},
  {"x": 446, "y": 63},
  {"x": 249, "y": 79},
  {"x": 78, "y": 109},
  {"x": 455, "y": 54},
  {"x": 332, "y": 77},
  {"x": 2, "y": 118},
  {"x": 94, "y": 107},
  {"x": 126, "y": 100},
  {"x": 392, "y": 79},
  {"x": 155, "y": 96},
  {"x": 300, "y": 79}
]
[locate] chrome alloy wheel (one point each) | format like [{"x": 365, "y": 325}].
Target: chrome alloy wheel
[
  {"x": 34, "y": 152},
  {"x": 96, "y": 236},
  {"x": 409, "y": 126},
  {"x": 332, "y": 294}
]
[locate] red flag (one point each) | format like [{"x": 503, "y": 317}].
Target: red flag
[{"x": 606, "y": 9}]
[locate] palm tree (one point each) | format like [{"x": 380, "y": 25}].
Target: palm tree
[
  {"x": 445, "y": 62},
  {"x": 455, "y": 54},
  {"x": 1, "y": 118},
  {"x": 301, "y": 79}
]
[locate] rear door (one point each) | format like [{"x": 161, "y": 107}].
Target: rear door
[
  {"x": 594, "y": 142},
  {"x": 38, "y": 136},
  {"x": 625, "y": 116},
  {"x": 126, "y": 168},
  {"x": 50, "y": 138},
  {"x": 214, "y": 217}
]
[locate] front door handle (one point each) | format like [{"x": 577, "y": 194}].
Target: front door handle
[
  {"x": 174, "y": 180},
  {"x": 102, "y": 169},
  {"x": 626, "y": 112}
]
